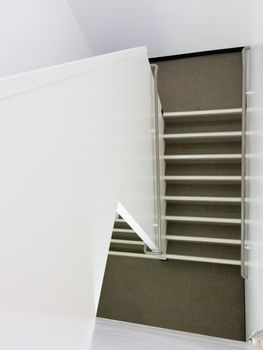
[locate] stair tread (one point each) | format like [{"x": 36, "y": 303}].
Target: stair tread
[
  {"x": 203, "y": 239},
  {"x": 203, "y": 259},
  {"x": 178, "y": 257},
  {"x": 202, "y": 177},
  {"x": 202, "y": 199},
  {"x": 135, "y": 255},
  {"x": 216, "y": 112},
  {"x": 126, "y": 241},
  {"x": 225, "y": 134},
  {"x": 202, "y": 219},
  {"x": 123, "y": 230},
  {"x": 201, "y": 156}
]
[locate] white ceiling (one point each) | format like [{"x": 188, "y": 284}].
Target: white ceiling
[
  {"x": 38, "y": 33},
  {"x": 166, "y": 27}
]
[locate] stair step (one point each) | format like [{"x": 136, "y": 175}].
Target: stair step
[
  {"x": 201, "y": 178},
  {"x": 212, "y": 112},
  {"x": 126, "y": 241},
  {"x": 213, "y": 136},
  {"x": 178, "y": 257},
  {"x": 203, "y": 239},
  {"x": 202, "y": 157},
  {"x": 202, "y": 219},
  {"x": 203, "y": 259},
  {"x": 134, "y": 255},
  {"x": 122, "y": 230},
  {"x": 119, "y": 220},
  {"x": 202, "y": 199}
]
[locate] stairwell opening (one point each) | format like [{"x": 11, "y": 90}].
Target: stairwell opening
[{"x": 201, "y": 96}]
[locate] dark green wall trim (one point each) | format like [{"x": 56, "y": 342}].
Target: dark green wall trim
[{"x": 194, "y": 54}]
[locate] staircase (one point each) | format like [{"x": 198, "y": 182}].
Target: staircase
[
  {"x": 202, "y": 134},
  {"x": 124, "y": 241},
  {"x": 203, "y": 176}
]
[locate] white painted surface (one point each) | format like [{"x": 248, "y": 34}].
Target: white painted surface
[
  {"x": 211, "y": 112},
  {"x": 126, "y": 241},
  {"x": 203, "y": 199},
  {"x": 166, "y": 27},
  {"x": 203, "y": 259},
  {"x": 254, "y": 283},
  {"x": 54, "y": 231},
  {"x": 191, "y": 157},
  {"x": 141, "y": 212},
  {"x": 203, "y": 239},
  {"x": 204, "y": 135},
  {"x": 36, "y": 34},
  {"x": 117, "y": 335},
  {"x": 203, "y": 178},
  {"x": 203, "y": 219},
  {"x": 122, "y": 230},
  {"x": 135, "y": 255},
  {"x": 162, "y": 174}
]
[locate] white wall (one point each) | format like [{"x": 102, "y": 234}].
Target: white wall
[
  {"x": 75, "y": 140},
  {"x": 254, "y": 284},
  {"x": 116, "y": 335},
  {"x": 37, "y": 33},
  {"x": 166, "y": 27}
]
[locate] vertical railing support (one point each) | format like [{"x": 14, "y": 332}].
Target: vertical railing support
[
  {"x": 157, "y": 168},
  {"x": 243, "y": 165}
]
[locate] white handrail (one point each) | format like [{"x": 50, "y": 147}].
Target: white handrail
[
  {"x": 243, "y": 165},
  {"x": 157, "y": 159}
]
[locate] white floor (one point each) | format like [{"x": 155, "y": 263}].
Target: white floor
[{"x": 117, "y": 335}]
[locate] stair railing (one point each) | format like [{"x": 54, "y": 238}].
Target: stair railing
[
  {"x": 157, "y": 109},
  {"x": 157, "y": 158},
  {"x": 244, "y": 248}
]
